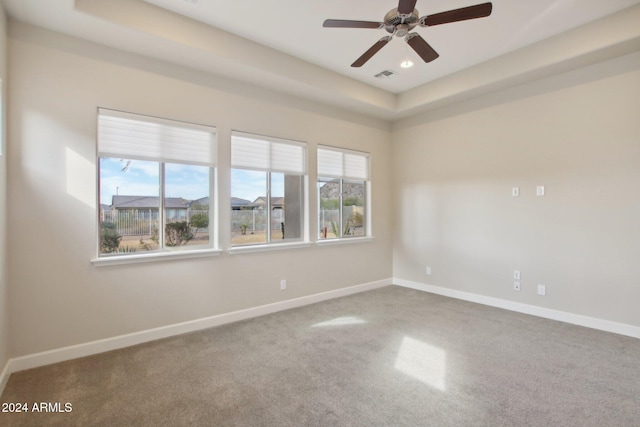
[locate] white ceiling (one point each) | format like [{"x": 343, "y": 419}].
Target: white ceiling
[
  {"x": 295, "y": 27},
  {"x": 281, "y": 44}
]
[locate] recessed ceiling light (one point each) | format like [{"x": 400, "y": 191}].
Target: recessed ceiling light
[{"x": 406, "y": 64}]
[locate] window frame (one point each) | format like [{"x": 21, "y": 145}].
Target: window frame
[
  {"x": 163, "y": 251},
  {"x": 345, "y": 174},
  {"x": 269, "y": 243}
]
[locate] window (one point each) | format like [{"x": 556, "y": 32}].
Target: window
[
  {"x": 342, "y": 189},
  {"x": 155, "y": 183},
  {"x": 267, "y": 189}
]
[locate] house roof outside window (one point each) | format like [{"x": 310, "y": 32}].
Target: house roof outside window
[{"x": 147, "y": 202}]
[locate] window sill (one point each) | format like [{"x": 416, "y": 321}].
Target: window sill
[
  {"x": 161, "y": 256},
  {"x": 268, "y": 247},
  {"x": 344, "y": 241}
]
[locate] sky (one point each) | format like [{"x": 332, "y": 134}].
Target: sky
[
  {"x": 141, "y": 178},
  {"x": 250, "y": 185}
]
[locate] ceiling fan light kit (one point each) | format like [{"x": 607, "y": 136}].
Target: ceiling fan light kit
[
  {"x": 407, "y": 63},
  {"x": 402, "y": 20}
]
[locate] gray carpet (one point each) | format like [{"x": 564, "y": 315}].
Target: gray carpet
[{"x": 388, "y": 357}]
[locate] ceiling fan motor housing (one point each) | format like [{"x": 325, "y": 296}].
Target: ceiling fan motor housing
[{"x": 400, "y": 25}]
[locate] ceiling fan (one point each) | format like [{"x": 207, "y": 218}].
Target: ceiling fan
[{"x": 401, "y": 20}]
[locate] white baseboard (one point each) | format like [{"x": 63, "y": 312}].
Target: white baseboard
[
  {"x": 113, "y": 343},
  {"x": 547, "y": 313}
]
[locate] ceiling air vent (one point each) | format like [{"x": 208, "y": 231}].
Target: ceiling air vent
[{"x": 385, "y": 74}]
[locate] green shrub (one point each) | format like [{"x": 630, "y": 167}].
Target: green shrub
[
  {"x": 109, "y": 238},
  {"x": 177, "y": 233},
  {"x": 352, "y": 201},
  {"x": 329, "y": 204},
  {"x": 199, "y": 220}
]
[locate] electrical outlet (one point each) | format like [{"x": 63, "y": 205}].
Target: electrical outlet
[
  {"x": 542, "y": 290},
  {"x": 283, "y": 284},
  {"x": 516, "y": 286},
  {"x": 428, "y": 271},
  {"x": 516, "y": 275}
]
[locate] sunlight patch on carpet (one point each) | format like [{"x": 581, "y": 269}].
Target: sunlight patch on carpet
[
  {"x": 423, "y": 362},
  {"x": 340, "y": 321}
]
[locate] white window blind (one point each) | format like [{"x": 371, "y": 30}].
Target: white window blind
[
  {"x": 267, "y": 154},
  {"x": 133, "y": 136},
  {"x": 336, "y": 163}
]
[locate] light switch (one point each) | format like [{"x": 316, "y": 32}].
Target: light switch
[{"x": 540, "y": 190}]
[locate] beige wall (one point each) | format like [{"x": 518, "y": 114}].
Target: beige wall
[
  {"x": 442, "y": 189},
  {"x": 578, "y": 135},
  {"x": 4, "y": 293},
  {"x": 57, "y": 297}
]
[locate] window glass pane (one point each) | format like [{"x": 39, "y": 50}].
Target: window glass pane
[
  {"x": 129, "y": 205},
  {"x": 248, "y": 207},
  {"x": 353, "y": 213},
  {"x": 186, "y": 205},
  {"x": 329, "y": 213}
]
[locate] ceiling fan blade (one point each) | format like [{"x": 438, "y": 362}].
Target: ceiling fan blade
[
  {"x": 345, "y": 23},
  {"x": 372, "y": 51},
  {"x": 471, "y": 12},
  {"x": 405, "y": 7},
  {"x": 421, "y": 47}
]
